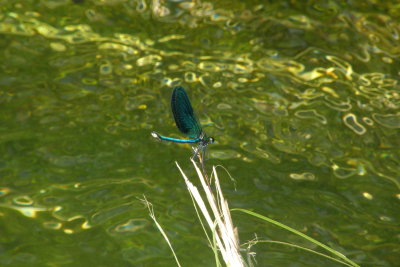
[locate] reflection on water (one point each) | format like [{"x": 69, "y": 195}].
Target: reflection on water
[{"x": 303, "y": 100}]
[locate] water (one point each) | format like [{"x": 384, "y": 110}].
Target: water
[{"x": 304, "y": 103}]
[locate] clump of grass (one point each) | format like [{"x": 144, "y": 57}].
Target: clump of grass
[
  {"x": 224, "y": 236},
  {"x": 214, "y": 212}
]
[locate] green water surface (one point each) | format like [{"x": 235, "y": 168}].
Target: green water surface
[{"x": 303, "y": 98}]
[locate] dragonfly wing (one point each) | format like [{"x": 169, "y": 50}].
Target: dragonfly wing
[{"x": 185, "y": 119}]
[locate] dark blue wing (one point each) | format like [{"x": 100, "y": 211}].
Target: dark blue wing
[{"x": 185, "y": 119}]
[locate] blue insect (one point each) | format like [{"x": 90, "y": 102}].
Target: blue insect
[{"x": 187, "y": 122}]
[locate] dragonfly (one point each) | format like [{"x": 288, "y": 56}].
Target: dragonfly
[{"x": 187, "y": 123}]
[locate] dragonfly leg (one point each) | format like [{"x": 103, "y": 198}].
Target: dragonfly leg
[{"x": 196, "y": 151}]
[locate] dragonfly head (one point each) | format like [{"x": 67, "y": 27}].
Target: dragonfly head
[{"x": 205, "y": 140}]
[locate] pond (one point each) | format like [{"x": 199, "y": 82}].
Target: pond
[{"x": 302, "y": 98}]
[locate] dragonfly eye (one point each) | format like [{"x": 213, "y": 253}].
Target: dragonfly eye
[{"x": 211, "y": 140}]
